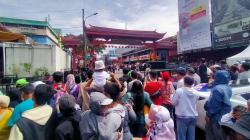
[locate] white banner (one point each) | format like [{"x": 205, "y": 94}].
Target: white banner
[{"x": 194, "y": 24}]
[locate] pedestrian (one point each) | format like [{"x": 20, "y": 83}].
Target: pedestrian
[
  {"x": 68, "y": 128},
  {"x": 98, "y": 123},
  {"x": 185, "y": 101},
  {"x": 153, "y": 87},
  {"x": 191, "y": 72},
  {"x": 234, "y": 72},
  {"x": 125, "y": 110},
  {"x": 100, "y": 76},
  {"x": 76, "y": 90},
  {"x": 83, "y": 98},
  {"x": 38, "y": 122},
  {"x": 244, "y": 74},
  {"x": 70, "y": 84},
  {"x": 48, "y": 79},
  {"x": 134, "y": 75},
  {"x": 234, "y": 115},
  {"x": 27, "y": 104},
  {"x": 217, "y": 105},
  {"x": 21, "y": 83},
  {"x": 5, "y": 114},
  {"x": 125, "y": 77},
  {"x": 240, "y": 130},
  {"x": 59, "y": 87},
  {"x": 203, "y": 71},
  {"x": 138, "y": 98},
  {"x": 167, "y": 90},
  {"x": 15, "y": 97},
  {"x": 58, "y": 82},
  {"x": 161, "y": 126},
  {"x": 181, "y": 72}
]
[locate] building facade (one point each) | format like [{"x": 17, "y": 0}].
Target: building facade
[{"x": 39, "y": 32}]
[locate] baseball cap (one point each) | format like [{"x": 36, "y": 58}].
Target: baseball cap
[
  {"x": 100, "y": 99},
  {"x": 181, "y": 70},
  {"x": 21, "y": 82}
]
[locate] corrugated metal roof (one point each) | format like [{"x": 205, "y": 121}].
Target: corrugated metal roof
[
  {"x": 27, "y": 22},
  {"x": 23, "y": 21}
]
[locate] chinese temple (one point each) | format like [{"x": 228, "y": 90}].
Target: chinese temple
[{"x": 102, "y": 37}]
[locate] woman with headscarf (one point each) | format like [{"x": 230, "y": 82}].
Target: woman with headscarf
[
  {"x": 71, "y": 85},
  {"x": 161, "y": 126}
]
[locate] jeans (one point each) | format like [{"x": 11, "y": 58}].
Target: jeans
[{"x": 185, "y": 128}]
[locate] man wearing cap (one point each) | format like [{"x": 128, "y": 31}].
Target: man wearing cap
[
  {"x": 21, "y": 83},
  {"x": 68, "y": 128},
  {"x": 100, "y": 76},
  {"x": 27, "y": 104},
  {"x": 101, "y": 124}
]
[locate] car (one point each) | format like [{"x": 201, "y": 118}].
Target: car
[{"x": 237, "y": 98}]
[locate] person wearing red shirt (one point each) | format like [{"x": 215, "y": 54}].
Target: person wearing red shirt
[
  {"x": 153, "y": 87},
  {"x": 167, "y": 90}
]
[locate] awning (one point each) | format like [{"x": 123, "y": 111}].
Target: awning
[
  {"x": 10, "y": 37},
  {"x": 238, "y": 58}
]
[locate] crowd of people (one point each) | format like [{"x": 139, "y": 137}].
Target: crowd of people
[{"x": 97, "y": 105}]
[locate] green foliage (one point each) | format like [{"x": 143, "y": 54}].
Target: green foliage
[
  {"x": 39, "y": 72},
  {"x": 15, "y": 69},
  {"x": 27, "y": 67}
]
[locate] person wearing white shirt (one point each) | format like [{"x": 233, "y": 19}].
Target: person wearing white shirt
[{"x": 184, "y": 101}]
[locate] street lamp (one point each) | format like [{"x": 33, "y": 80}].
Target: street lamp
[{"x": 84, "y": 33}]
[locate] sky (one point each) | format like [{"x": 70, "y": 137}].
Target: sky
[{"x": 148, "y": 15}]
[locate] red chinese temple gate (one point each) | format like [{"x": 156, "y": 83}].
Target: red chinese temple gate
[{"x": 102, "y": 37}]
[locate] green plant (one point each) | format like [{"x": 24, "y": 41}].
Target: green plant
[
  {"x": 39, "y": 72},
  {"x": 15, "y": 69},
  {"x": 27, "y": 67}
]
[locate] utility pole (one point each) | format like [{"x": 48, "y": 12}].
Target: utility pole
[{"x": 85, "y": 38}]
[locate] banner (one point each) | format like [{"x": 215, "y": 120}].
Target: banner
[
  {"x": 231, "y": 22},
  {"x": 194, "y": 24}
]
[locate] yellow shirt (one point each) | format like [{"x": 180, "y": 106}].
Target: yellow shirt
[{"x": 5, "y": 115}]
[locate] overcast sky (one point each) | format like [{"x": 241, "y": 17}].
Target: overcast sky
[{"x": 159, "y": 15}]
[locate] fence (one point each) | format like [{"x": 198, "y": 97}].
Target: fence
[{"x": 17, "y": 55}]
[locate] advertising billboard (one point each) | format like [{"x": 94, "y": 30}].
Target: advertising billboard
[
  {"x": 194, "y": 24},
  {"x": 231, "y": 22}
]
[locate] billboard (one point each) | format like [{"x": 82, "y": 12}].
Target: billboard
[
  {"x": 231, "y": 22},
  {"x": 194, "y": 24}
]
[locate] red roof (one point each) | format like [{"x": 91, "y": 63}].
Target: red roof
[
  {"x": 71, "y": 41},
  {"x": 107, "y": 32},
  {"x": 170, "y": 43}
]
